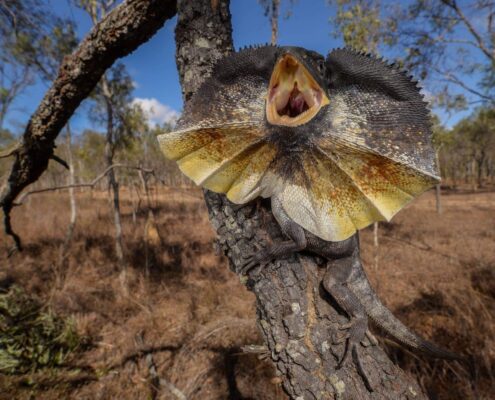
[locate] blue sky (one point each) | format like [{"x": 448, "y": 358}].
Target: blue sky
[{"x": 152, "y": 66}]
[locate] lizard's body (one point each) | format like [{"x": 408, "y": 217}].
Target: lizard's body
[
  {"x": 346, "y": 281},
  {"x": 336, "y": 143}
]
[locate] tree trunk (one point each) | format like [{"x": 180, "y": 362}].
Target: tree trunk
[
  {"x": 376, "y": 246},
  {"x": 151, "y": 235},
  {"x": 472, "y": 173},
  {"x": 489, "y": 169},
  {"x": 480, "y": 163},
  {"x": 296, "y": 317},
  {"x": 274, "y": 20},
  {"x": 112, "y": 181},
  {"x": 62, "y": 264},
  {"x": 438, "y": 187}
]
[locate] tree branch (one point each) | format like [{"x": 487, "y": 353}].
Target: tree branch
[
  {"x": 10, "y": 151},
  {"x": 450, "y": 77},
  {"x": 91, "y": 184},
  {"x": 9, "y": 14},
  {"x": 130, "y": 24},
  {"x": 481, "y": 44}
]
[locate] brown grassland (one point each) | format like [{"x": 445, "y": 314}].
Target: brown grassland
[{"x": 187, "y": 315}]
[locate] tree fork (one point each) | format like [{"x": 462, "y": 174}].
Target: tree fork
[
  {"x": 118, "y": 34},
  {"x": 296, "y": 317}
]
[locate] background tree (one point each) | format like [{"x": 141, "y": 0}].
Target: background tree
[
  {"x": 359, "y": 24},
  {"x": 470, "y": 149},
  {"x": 272, "y": 10},
  {"x": 448, "y": 43},
  {"x": 108, "y": 41},
  {"x": 112, "y": 100},
  {"x": 19, "y": 22},
  {"x": 33, "y": 42}
]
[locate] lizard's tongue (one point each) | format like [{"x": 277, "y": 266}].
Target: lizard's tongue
[{"x": 297, "y": 103}]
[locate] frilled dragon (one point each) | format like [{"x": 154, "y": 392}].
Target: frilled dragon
[{"x": 335, "y": 143}]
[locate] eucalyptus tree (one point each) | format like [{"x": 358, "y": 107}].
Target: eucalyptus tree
[
  {"x": 450, "y": 44},
  {"x": 33, "y": 42}
]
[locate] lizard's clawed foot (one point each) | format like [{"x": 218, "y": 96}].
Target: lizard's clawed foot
[
  {"x": 251, "y": 205},
  {"x": 357, "y": 331},
  {"x": 260, "y": 258},
  {"x": 367, "y": 341},
  {"x": 237, "y": 207}
]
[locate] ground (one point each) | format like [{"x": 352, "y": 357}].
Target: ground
[{"x": 186, "y": 315}]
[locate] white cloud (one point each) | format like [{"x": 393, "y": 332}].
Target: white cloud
[{"x": 156, "y": 112}]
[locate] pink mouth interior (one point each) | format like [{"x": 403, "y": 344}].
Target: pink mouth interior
[{"x": 296, "y": 104}]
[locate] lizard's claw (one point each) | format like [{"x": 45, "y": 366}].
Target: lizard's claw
[
  {"x": 259, "y": 258},
  {"x": 372, "y": 340},
  {"x": 367, "y": 341},
  {"x": 356, "y": 332}
]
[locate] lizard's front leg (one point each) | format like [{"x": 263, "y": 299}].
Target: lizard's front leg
[
  {"x": 292, "y": 230},
  {"x": 276, "y": 250},
  {"x": 335, "y": 281}
]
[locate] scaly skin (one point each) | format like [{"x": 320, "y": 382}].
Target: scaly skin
[{"x": 346, "y": 281}]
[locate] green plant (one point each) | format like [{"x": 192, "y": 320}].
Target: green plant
[{"x": 32, "y": 336}]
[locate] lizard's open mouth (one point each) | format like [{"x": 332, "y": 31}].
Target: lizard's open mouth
[{"x": 294, "y": 96}]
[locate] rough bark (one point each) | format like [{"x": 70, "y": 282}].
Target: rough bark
[
  {"x": 118, "y": 34},
  {"x": 296, "y": 317}
]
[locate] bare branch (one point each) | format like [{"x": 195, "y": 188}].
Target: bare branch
[
  {"x": 9, "y": 14},
  {"x": 91, "y": 184},
  {"x": 441, "y": 39},
  {"x": 126, "y": 27},
  {"x": 10, "y": 151},
  {"x": 450, "y": 77},
  {"x": 481, "y": 44},
  {"x": 62, "y": 162}
]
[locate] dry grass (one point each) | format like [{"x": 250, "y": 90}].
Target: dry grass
[{"x": 188, "y": 315}]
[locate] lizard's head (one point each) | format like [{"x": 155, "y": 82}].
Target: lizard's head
[{"x": 297, "y": 90}]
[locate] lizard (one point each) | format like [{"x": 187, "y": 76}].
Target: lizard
[{"x": 336, "y": 143}]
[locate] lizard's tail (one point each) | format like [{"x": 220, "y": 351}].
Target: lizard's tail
[{"x": 384, "y": 318}]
